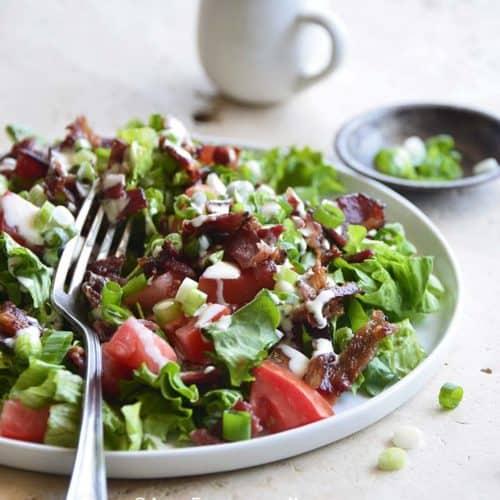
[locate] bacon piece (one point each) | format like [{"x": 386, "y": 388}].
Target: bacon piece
[
  {"x": 334, "y": 376},
  {"x": 13, "y": 319},
  {"x": 368, "y": 253},
  {"x": 98, "y": 274},
  {"x": 359, "y": 209},
  {"x": 271, "y": 234},
  {"x": 219, "y": 225},
  {"x": 110, "y": 267},
  {"x": 168, "y": 260},
  {"x": 31, "y": 164},
  {"x": 182, "y": 157},
  {"x": 103, "y": 329},
  {"x": 205, "y": 376},
  {"x": 242, "y": 405},
  {"x": 80, "y": 129},
  {"x": 203, "y": 437},
  {"x": 333, "y": 307},
  {"x": 76, "y": 356},
  {"x": 136, "y": 202},
  {"x": 338, "y": 239},
  {"x": 117, "y": 153},
  {"x": 209, "y": 154}
]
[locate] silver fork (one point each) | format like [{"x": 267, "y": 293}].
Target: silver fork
[{"x": 88, "y": 480}]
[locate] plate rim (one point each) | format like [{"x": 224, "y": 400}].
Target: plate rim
[
  {"x": 347, "y": 127},
  {"x": 415, "y": 379}
]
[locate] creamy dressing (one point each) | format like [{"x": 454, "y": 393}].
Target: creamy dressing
[
  {"x": 20, "y": 215},
  {"x": 214, "y": 182},
  {"x": 8, "y": 165},
  {"x": 284, "y": 286},
  {"x": 321, "y": 346},
  {"x": 315, "y": 307},
  {"x": 222, "y": 271},
  {"x": 265, "y": 189},
  {"x": 297, "y": 362},
  {"x": 254, "y": 167},
  {"x": 63, "y": 160},
  {"x": 208, "y": 313},
  {"x": 220, "y": 291},
  {"x": 218, "y": 207}
]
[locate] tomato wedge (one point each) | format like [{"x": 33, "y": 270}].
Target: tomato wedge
[
  {"x": 112, "y": 372},
  {"x": 237, "y": 291},
  {"x": 163, "y": 287},
  {"x": 188, "y": 339},
  {"x": 133, "y": 344},
  {"x": 20, "y": 422},
  {"x": 283, "y": 401}
]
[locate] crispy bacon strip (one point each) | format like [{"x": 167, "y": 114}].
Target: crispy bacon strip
[
  {"x": 80, "y": 129},
  {"x": 182, "y": 157},
  {"x": 359, "y": 209},
  {"x": 302, "y": 316},
  {"x": 334, "y": 376},
  {"x": 98, "y": 273},
  {"x": 13, "y": 319},
  {"x": 214, "y": 225},
  {"x": 209, "y": 154},
  {"x": 368, "y": 253},
  {"x": 168, "y": 260},
  {"x": 248, "y": 249}
]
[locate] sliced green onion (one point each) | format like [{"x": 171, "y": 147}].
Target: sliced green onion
[
  {"x": 329, "y": 215},
  {"x": 85, "y": 173},
  {"x": 183, "y": 207},
  {"x": 236, "y": 425},
  {"x": 36, "y": 195},
  {"x": 450, "y": 396},
  {"x": 135, "y": 285},
  {"x": 287, "y": 274},
  {"x": 111, "y": 294},
  {"x": 166, "y": 311},
  {"x": 392, "y": 459},
  {"x": 115, "y": 314},
  {"x": 193, "y": 301}
]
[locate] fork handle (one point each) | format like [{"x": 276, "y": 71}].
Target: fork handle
[{"x": 88, "y": 481}]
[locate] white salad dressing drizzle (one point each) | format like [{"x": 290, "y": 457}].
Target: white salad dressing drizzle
[
  {"x": 207, "y": 314},
  {"x": 222, "y": 271},
  {"x": 20, "y": 215},
  {"x": 270, "y": 209},
  {"x": 321, "y": 346},
  {"x": 297, "y": 362},
  {"x": 111, "y": 180},
  {"x": 315, "y": 307}
]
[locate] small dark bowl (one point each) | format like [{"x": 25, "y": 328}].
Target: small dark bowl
[{"x": 477, "y": 136}]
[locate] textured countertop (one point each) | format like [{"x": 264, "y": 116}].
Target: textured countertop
[{"x": 116, "y": 59}]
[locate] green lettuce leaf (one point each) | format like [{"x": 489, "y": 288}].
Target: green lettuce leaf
[
  {"x": 43, "y": 383},
  {"x": 244, "y": 344},
  {"x": 115, "y": 434},
  {"x": 303, "y": 169},
  {"x": 133, "y": 425},
  {"x": 213, "y": 404},
  {"x": 397, "y": 356},
  {"x": 63, "y": 425},
  {"x": 22, "y": 274},
  {"x": 55, "y": 345}
]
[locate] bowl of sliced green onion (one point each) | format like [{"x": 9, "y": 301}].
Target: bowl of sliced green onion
[{"x": 423, "y": 146}]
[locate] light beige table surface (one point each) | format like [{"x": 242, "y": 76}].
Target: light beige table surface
[{"x": 116, "y": 59}]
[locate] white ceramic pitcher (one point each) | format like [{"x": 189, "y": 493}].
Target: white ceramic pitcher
[{"x": 252, "y": 50}]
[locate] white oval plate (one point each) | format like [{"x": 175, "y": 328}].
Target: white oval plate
[{"x": 353, "y": 413}]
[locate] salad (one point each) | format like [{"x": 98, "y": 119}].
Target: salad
[
  {"x": 436, "y": 159},
  {"x": 254, "y": 292}
]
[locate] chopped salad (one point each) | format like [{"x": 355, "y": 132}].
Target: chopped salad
[{"x": 254, "y": 292}]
